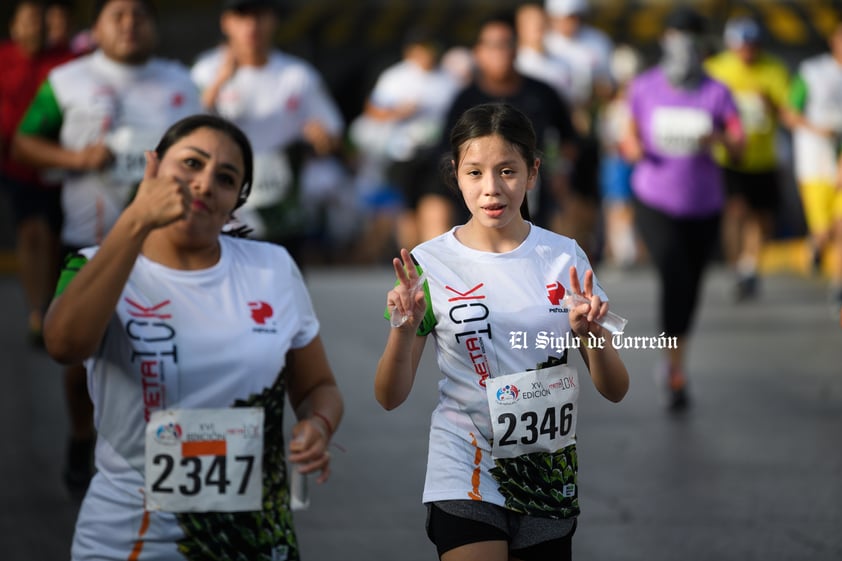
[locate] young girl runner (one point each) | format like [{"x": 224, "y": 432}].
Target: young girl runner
[{"x": 501, "y": 471}]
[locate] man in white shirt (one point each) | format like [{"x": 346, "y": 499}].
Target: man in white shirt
[
  {"x": 92, "y": 120},
  {"x": 280, "y": 102}
]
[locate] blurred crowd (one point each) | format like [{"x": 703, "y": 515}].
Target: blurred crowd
[{"x": 668, "y": 161}]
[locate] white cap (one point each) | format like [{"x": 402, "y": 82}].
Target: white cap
[
  {"x": 741, "y": 31},
  {"x": 566, "y": 7}
]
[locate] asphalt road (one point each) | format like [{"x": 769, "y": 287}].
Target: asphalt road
[{"x": 752, "y": 471}]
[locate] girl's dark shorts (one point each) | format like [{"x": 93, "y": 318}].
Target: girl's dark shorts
[{"x": 451, "y": 524}]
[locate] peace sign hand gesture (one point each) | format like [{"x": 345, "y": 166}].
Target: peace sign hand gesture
[
  {"x": 584, "y": 316},
  {"x": 407, "y": 304}
]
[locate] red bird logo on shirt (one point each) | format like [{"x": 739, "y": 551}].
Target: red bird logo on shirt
[
  {"x": 555, "y": 292},
  {"x": 260, "y": 312}
]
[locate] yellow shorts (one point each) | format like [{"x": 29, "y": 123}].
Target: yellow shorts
[{"x": 822, "y": 202}]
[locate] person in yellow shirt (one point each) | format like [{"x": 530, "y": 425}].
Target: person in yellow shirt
[{"x": 759, "y": 83}]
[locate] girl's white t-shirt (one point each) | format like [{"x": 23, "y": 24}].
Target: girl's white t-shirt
[{"x": 492, "y": 314}]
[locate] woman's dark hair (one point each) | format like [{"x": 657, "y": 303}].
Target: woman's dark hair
[
  {"x": 188, "y": 125},
  {"x": 489, "y": 119}
]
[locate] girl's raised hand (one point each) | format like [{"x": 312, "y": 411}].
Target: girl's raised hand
[
  {"x": 583, "y": 317},
  {"x": 406, "y": 301}
]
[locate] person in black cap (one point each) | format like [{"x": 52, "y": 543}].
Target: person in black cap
[
  {"x": 682, "y": 46},
  {"x": 282, "y": 104},
  {"x": 678, "y": 113}
]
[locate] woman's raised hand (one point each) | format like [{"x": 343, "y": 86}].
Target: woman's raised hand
[{"x": 160, "y": 200}]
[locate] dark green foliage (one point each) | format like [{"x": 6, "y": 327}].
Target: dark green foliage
[{"x": 534, "y": 483}]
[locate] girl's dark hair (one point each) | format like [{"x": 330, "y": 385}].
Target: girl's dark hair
[
  {"x": 187, "y": 125},
  {"x": 499, "y": 119}
]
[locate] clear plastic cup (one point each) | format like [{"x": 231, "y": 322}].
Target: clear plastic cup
[
  {"x": 610, "y": 321},
  {"x": 299, "y": 494},
  {"x": 397, "y": 320}
]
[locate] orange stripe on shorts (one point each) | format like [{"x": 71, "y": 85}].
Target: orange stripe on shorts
[
  {"x": 138, "y": 545},
  {"x": 474, "y": 493}
]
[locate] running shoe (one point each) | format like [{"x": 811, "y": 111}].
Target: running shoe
[
  {"x": 675, "y": 393},
  {"x": 815, "y": 263},
  {"x": 678, "y": 397},
  {"x": 747, "y": 287}
]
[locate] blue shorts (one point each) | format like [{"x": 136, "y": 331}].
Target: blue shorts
[{"x": 615, "y": 179}]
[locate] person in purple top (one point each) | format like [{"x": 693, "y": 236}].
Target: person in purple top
[{"x": 678, "y": 114}]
